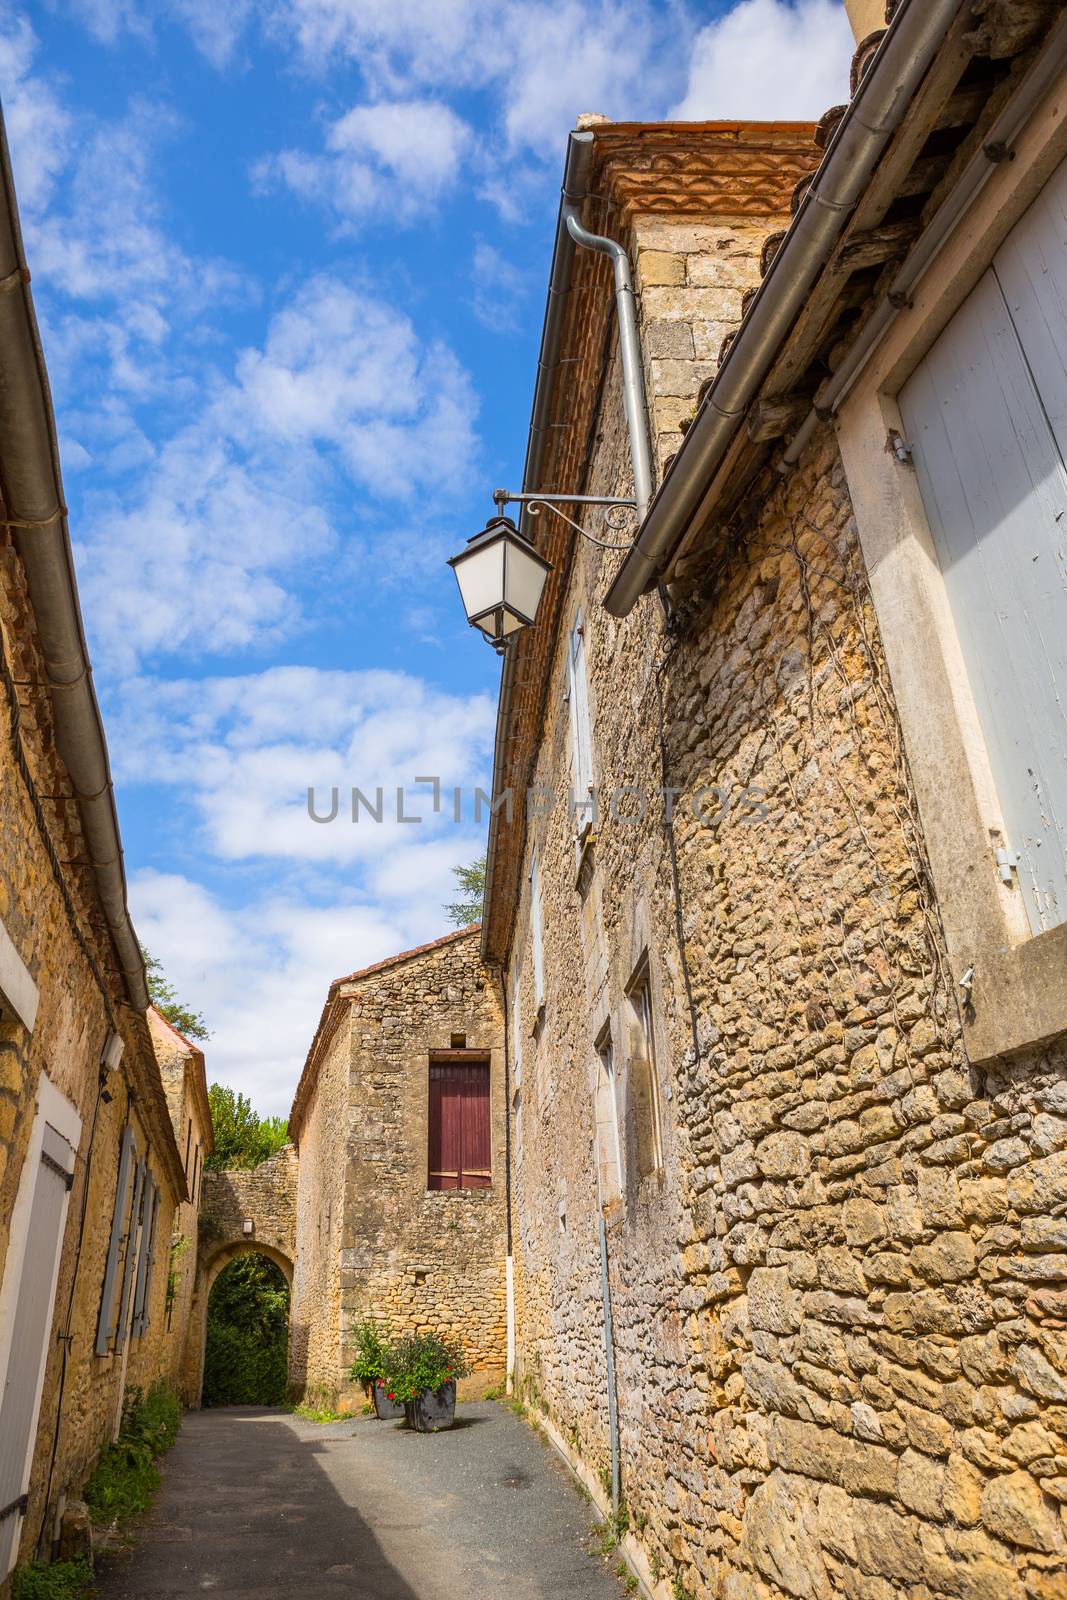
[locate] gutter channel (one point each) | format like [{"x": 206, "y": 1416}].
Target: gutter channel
[
  {"x": 876, "y": 111},
  {"x": 32, "y": 485}
]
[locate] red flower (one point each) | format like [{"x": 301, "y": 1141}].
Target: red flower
[{"x": 392, "y": 1396}]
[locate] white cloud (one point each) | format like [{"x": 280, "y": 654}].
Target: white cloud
[
  {"x": 769, "y": 58},
  {"x": 499, "y": 289},
  {"x": 538, "y": 64},
  {"x": 39, "y": 129},
  {"x": 340, "y": 367},
  {"x": 390, "y": 160},
  {"x": 204, "y": 548},
  {"x": 259, "y": 973},
  {"x": 242, "y": 752}
]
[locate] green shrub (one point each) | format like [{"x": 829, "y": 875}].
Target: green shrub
[
  {"x": 371, "y": 1341},
  {"x": 63, "y": 1580},
  {"x": 418, "y": 1363},
  {"x": 126, "y": 1476},
  {"x": 246, "y": 1355}
]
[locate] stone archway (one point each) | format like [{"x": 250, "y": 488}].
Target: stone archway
[
  {"x": 208, "y": 1270},
  {"x": 240, "y": 1213}
]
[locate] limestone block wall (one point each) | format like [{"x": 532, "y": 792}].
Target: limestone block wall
[
  {"x": 373, "y": 1239},
  {"x": 59, "y": 932},
  {"x": 839, "y": 1321},
  {"x": 691, "y": 277},
  {"x": 316, "y": 1307}
]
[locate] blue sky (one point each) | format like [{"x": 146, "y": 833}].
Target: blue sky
[{"x": 289, "y": 258}]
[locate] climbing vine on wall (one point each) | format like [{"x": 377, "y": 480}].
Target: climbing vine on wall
[{"x": 247, "y": 1335}]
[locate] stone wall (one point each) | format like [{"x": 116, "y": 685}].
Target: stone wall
[
  {"x": 839, "y": 1327},
  {"x": 265, "y": 1196},
  {"x": 181, "y": 1068},
  {"x": 315, "y": 1340},
  {"x": 386, "y": 1246},
  {"x": 49, "y": 912}
]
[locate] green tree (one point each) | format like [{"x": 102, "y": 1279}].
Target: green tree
[
  {"x": 163, "y": 996},
  {"x": 472, "y": 889},
  {"x": 247, "y": 1335},
  {"x": 242, "y": 1137}
]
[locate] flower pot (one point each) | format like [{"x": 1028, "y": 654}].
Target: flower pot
[
  {"x": 434, "y": 1409},
  {"x": 385, "y": 1409}
]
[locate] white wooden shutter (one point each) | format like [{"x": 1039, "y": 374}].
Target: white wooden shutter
[
  {"x": 146, "y": 1259},
  {"x": 30, "y": 1335},
  {"x": 994, "y": 485},
  {"x": 516, "y": 1029},
  {"x": 105, "y": 1326},
  {"x": 535, "y": 932},
  {"x": 129, "y": 1266},
  {"x": 581, "y": 736}
]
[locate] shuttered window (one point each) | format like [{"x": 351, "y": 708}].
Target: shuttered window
[
  {"x": 30, "y": 1311},
  {"x": 129, "y": 1267},
  {"x": 535, "y": 933},
  {"x": 581, "y": 736},
  {"x": 105, "y": 1327},
  {"x": 516, "y": 1027},
  {"x": 642, "y": 1079},
  {"x": 460, "y": 1155},
  {"x": 146, "y": 1260},
  {"x": 986, "y": 415}
]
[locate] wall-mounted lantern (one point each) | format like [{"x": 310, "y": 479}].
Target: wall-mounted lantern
[
  {"x": 500, "y": 574},
  {"x": 500, "y": 577}
]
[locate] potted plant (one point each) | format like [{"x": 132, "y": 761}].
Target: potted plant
[
  {"x": 421, "y": 1371},
  {"x": 368, "y": 1370}
]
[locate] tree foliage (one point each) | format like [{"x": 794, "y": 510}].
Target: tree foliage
[
  {"x": 164, "y": 997},
  {"x": 245, "y": 1360},
  {"x": 242, "y": 1137},
  {"x": 472, "y": 890}
]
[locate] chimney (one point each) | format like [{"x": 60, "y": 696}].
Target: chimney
[{"x": 866, "y": 16}]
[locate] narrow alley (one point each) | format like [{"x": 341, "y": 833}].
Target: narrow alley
[{"x": 260, "y": 1504}]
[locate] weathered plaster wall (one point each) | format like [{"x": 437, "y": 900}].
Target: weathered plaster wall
[{"x": 840, "y": 1344}]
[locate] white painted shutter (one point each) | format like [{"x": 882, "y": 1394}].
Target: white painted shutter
[
  {"x": 995, "y": 489},
  {"x": 146, "y": 1259},
  {"x": 516, "y": 1028},
  {"x": 30, "y": 1341},
  {"x": 129, "y": 1266},
  {"x": 105, "y": 1326},
  {"x": 535, "y": 933},
  {"x": 581, "y": 736}
]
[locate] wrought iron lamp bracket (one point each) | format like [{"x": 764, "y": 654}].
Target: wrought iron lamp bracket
[{"x": 617, "y": 512}]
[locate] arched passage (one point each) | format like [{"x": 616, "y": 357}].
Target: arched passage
[
  {"x": 210, "y": 1268},
  {"x": 246, "y": 1348}
]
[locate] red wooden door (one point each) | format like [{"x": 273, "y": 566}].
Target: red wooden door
[{"x": 460, "y": 1152}]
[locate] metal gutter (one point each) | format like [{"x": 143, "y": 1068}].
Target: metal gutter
[
  {"x": 575, "y": 182},
  {"x": 876, "y": 111},
  {"x": 32, "y": 487},
  {"x": 997, "y": 146}
]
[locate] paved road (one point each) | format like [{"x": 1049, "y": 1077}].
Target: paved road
[{"x": 261, "y": 1505}]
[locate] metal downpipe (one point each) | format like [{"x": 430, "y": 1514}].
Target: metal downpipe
[{"x": 633, "y": 377}]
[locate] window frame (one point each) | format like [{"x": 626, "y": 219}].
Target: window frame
[
  {"x": 583, "y": 782},
  {"x": 641, "y": 1023},
  {"x": 986, "y": 927},
  {"x": 469, "y": 1058}
]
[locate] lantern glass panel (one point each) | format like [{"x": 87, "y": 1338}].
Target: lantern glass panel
[
  {"x": 524, "y": 579},
  {"x": 480, "y": 575}
]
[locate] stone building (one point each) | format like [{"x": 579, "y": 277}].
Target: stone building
[
  {"x": 91, "y": 1173},
  {"x": 181, "y": 1066},
  {"x": 399, "y": 1121},
  {"x": 782, "y": 925}
]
